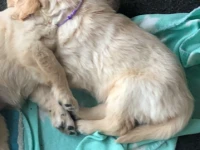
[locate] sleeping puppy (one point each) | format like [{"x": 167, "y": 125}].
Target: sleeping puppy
[
  {"x": 129, "y": 71},
  {"x": 29, "y": 67}
]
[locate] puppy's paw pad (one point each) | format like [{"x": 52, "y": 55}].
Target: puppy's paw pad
[
  {"x": 69, "y": 107},
  {"x": 72, "y": 133},
  {"x": 62, "y": 126}
]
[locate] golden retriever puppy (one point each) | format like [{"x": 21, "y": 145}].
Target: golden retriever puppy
[
  {"x": 25, "y": 74},
  {"x": 29, "y": 67},
  {"x": 129, "y": 71}
]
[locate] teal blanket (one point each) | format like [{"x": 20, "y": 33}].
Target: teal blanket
[{"x": 180, "y": 32}]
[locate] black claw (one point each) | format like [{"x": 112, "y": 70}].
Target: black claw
[
  {"x": 72, "y": 133},
  {"x": 68, "y": 105},
  {"x": 71, "y": 128},
  {"x": 78, "y": 132},
  {"x": 62, "y": 114},
  {"x": 60, "y": 103},
  {"x": 73, "y": 116},
  {"x": 62, "y": 126}
]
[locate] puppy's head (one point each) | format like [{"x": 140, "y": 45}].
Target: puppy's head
[{"x": 23, "y": 8}]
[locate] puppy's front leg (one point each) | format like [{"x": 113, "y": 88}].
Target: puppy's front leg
[
  {"x": 54, "y": 73},
  {"x": 60, "y": 118}
]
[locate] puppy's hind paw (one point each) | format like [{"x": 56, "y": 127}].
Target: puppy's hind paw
[{"x": 85, "y": 127}]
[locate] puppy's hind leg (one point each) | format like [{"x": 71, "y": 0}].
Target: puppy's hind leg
[
  {"x": 112, "y": 124},
  {"x": 116, "y": 121},
  {"x": 3, "y": 134},
  {"x": 93, "y": 113}
]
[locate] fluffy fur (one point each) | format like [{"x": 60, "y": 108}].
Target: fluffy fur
[
  {"x": 29, "y": 67},
  {"x": 27, "y": 63},
  {"x": 129, "y": 71}
]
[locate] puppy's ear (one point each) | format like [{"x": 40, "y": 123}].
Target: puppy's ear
[{"x": 24, "y": 8}]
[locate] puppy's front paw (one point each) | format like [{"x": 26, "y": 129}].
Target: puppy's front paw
[
  {"x": 85, "y": 127},
  {"x": 61, "y": 119}
]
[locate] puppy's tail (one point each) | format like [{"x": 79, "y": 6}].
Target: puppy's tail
[{"x": 158, "y": 131}]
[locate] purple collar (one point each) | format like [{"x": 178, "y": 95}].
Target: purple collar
[{"x": 71, "y": 15}]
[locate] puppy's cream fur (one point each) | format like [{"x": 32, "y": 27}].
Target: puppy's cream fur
[
  {"x": 21, "y": 74},
  {"x": 29, "y": 67},
  {"x": 130, "y": 71}
]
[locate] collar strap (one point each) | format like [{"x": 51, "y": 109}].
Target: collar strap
[{"x": 71, "y": 15}]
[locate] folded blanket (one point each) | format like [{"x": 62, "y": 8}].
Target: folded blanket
[{"x": 180, "y": 32}]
